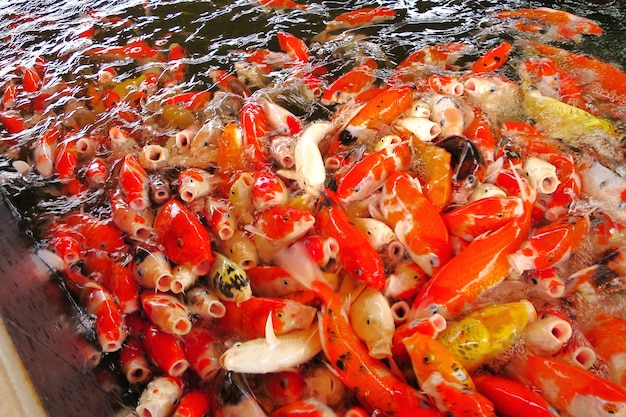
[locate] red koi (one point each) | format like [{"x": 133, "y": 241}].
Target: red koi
[
  {"x": 12, "y": 121},
  {"x": 134, "y": 362},
  {"x": 511, "y": 398},
  {"x": 294, "y": 46},
  {"x": 493, "y": 59},
  {"x": 136, "y": 49},
  {"x": 165, "y": 350},
  {"x": 202, "y": 349},
  {"x": 256, "y": 129},
  {"x": 184, "y": 239},
  {"x": 282, "y": 4},
  {"x": 195, "y": 403},
  {"x": 134, "y": 183},
  {"x": 268, "y": 190},
  {"x": 31, "y": 80},
  {"x": 96, "y": 233},
  {"x": 192, "y": 100},
  {"x": 356, "y": 255}
]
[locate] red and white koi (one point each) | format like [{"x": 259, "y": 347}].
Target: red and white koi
[
  {"x": 165, "y": 351},
  {"x": 364, "y": 177},
  {"x": 268, "y": 190},
  {"x": 351, "y": 84},
  {"x": 202, "y": 350},
  {"x": 160, "y": 396}
]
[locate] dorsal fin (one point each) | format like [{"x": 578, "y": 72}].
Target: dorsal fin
[{"x": 270, "y": 336}]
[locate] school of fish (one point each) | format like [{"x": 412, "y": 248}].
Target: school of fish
[{"x": 444, "y": 236}]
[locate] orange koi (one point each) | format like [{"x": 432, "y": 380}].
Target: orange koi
[
  {"x": 430, "y": 327},
  {"x": 444, "y": 379},
  {"x": 416, "y": 222},
  {"x": 493, "y": 59},
  {"x": 322, "y": 250},
  {"x": 569, "y": 388},
  {"x": 272, "y": 281},
  {"x": 248, "y": 318},
  {"x": 552, "y": 244},
  {"x": 256, "y": 129},
  {"x": 12, "y": 121},
  {"x": 560, "y": 24},
  {"x": 192, "y": 100},
  {"x": 231, "y": 149},
  {"x": 437, "y": 174},
  {"x": 442, "y": 84},
  {"x": 482, "y": 265},
  {"x": 282, "y": 4},
  {"x": 31, "y": 80},
  {"x": 604, "y": 337},
  {"x": 440, "y": 55},
  {"x": 284, "y": 387},
  {"x": 134, "y": 183},
  {"x": 511, "y": 398},
  {"x": 366, "y": 176},
  {"x": 95, "y": 233},
  {"x": 356, "y": 255},
  {"x": 175, "y": 56},
  {"x": 480, "y": 216},
  {"x": 350, "y": 84},
  {"x": 184, "y": 239},
  {"x": 371, "y": 382},
  {"x": 136, "y": 49},
  {"x": 381, "y": 110},
  {"x": 361, "y": 17}
]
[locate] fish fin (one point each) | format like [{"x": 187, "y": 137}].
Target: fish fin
[
  {"x": 290, "y": 174},
  {"x": 270, "y": 335}
]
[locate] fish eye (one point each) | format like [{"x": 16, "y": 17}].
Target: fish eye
[
  {"x": 358, "y": 271},
  {"x": 492, "y": 89},
  {"x": 279, "y": 314},
  {"x": 429, "y": 357}
]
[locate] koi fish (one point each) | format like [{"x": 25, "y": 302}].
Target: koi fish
[
  {"x": 372, "y": 383},
  {"x": 282, "y": 4},
  {"x": 602, "y": 336},
  {"x": 350, "y": 84},
  {"x": 405, "y": 209},
  {"x": 166, "y": 312},
  {"x": 483, "y": 264},
  {"x": 364, "y": 177},
  {"x": 183, "y": 238},
  {"x": 487, "y": 332},
  {"x": 493, "y": 59},
  {"x": 229, "y": 279},
  {"x": 560, "y": 24},
  {"x": 133, "y": 181},
  {"x": 272, "y": 353},
  {"x": 356, "y": 255},
  {"x": 444, "y": 379},
  {"x": 569, "y": 388}
]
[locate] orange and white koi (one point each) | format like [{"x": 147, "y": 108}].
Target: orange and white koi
[
  {"x": 282, "y": 4},
  {"x": 281, "y": 119},
  {"x": 220, "y": 217},
  {"x": 166, "y": 312},
  {"x": 366, "y": 176},
  {"x": 110, "y": 326},
  {"x": 133, "y": 361},
  {"x": 248, "y": 318},
  {"x": 559, "y": 24},
  {"x": 272, "y": 281},
  {"x": 570, "y": 389},
  {"x": 440, "y": 55},
  {"x": 372, "y": 383},
  {"x": 552, "y": 244},
  {"x": 133, "y": 181},
  {"x": 350, "y": 84},
  {"x": 444, "y": 379},
  {"x": 305, "y": 407},
  {"x": 44, "y": 151},
  {"x": 160, "y": 396},
  {"x": 183, "y": 237},
  {"x": 356, "y": 255},
  {"x": 483, "y": 264},
  {"x": 321, "y": 249},
  {"x": 282, "y": 150},
  {"x": 480, "y": 216},
  {"x": 309, "y": 172},
  {"x": 361, "y": 17},
  {"x": 293, "y": 46},
  {"x": 194, "y": 183},
  {"x": 405, "y": 209},
  {"x": 137, "y": 224}
]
